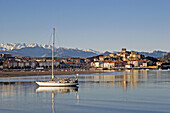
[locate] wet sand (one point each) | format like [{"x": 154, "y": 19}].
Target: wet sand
[{"x": 31, "y": 73}]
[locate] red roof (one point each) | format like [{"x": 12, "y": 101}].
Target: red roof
[
  {"x": 57, "y": 60},
  {"x": 69, "y": 62}
]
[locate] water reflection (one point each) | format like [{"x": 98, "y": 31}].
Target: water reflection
[
  {"x": 130, "y": 79},
  {"x": 57, "y": 91},
  {"x": 127, "y": 79},
  {"x": 146, "y": 91},
  {"x": 16, "y": 88}
]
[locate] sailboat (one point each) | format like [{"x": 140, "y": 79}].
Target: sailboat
[{"x": 64, "y": 82}]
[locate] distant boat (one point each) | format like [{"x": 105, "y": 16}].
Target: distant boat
[{"x": 57, "y": 83}]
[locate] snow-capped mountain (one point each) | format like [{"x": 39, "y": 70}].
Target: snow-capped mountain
[
  {"x": 13, "y": 46},
  {"x": 91, "y": 50},
  {"x": 38, "y": 50},
  {"x": 154, "y": 53},
  {"x": 43, "y": 50}
]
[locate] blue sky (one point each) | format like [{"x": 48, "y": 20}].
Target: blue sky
[{"x": 142, "y": 25}]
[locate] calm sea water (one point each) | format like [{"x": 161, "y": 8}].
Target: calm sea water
[{"x": 112, "y": 92}]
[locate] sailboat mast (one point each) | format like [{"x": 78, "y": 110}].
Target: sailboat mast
[{"x": 53, "y": 55}]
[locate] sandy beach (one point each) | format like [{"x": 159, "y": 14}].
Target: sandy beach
[{"x": 39, "y": 73}]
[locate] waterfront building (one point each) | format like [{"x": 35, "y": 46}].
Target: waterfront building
[
  {"x": 158, "y": 63},
  {"x": 21, "y": 64},
  {"x": 5, "y": 55},
  {"x": 96, "y": 64},
  {"x": 11, "y": 63},
  {"x": 136, "y": 63},
  {"x": 128, "y": 65},
  {"x": 106, "y": 65}
]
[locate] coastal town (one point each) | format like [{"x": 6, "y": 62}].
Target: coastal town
[{"x": 119, "y": 61}]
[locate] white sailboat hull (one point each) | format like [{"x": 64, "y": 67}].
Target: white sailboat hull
[{"x": 54, "y": 84}]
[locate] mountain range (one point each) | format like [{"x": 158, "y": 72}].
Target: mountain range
[
  {"x": 43, "y": 50},
  {"x": 38, "y": 50}
]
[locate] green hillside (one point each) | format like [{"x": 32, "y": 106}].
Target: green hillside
[{"x": 165, "y": 58}]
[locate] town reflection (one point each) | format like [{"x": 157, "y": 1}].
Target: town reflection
[
  {"x": 127, "y": 79},
  {"x": 28, "y": 88},
  {"x": 16, "y": 88}
]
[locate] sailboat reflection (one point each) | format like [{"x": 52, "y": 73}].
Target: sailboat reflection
[{"x": 58, "y": 90}]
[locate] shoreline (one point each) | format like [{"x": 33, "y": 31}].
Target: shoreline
[{"x": 39, "y": 73}]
